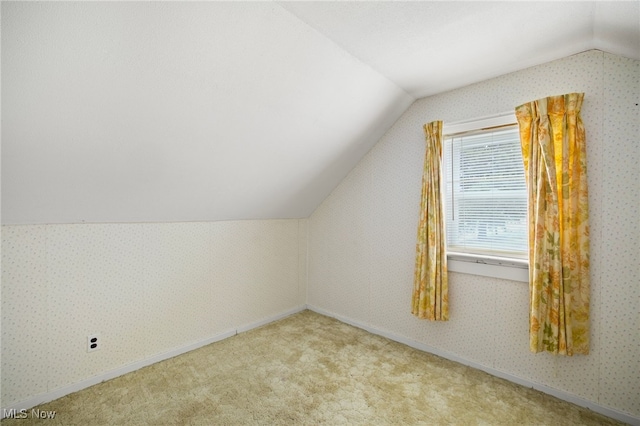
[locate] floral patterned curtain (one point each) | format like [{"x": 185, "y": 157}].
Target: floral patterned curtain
[
  {"x": 554, "y": 153},
  {"x": 430, "y": 298}
]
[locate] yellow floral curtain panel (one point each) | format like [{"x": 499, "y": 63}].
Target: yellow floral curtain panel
[
  {"x": 430, "y": 298},
  {"x": 554, "y": 153}
]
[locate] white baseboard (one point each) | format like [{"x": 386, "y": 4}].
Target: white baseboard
[
  {"x": 609, "y": 412},
  {"x": 75, "y": 387},
  {"x": 271, "y": 319}
]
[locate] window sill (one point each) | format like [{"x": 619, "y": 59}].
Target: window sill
[{"x": 489, "y": 266}]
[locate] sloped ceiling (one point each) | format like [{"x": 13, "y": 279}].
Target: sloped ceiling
[
  {"x": 156, "y": 111},
  {"x": 431, "y": 47}
]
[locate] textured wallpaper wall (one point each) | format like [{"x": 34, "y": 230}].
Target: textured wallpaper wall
[
  {"x": 146, "y": 288},
  {"x": 150, "y": 288},
  {"x": 362, "y": 238}
]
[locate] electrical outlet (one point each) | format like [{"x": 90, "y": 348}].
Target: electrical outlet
[{"x": 93, "y": 342}]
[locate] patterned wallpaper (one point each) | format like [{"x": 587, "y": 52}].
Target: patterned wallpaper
[
  {"x": 362, "y": 238},
  {"x": 146, "y": 288},
  {"x": 150, "y": 288}
]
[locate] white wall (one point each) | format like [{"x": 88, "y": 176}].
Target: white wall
[
  {"x": 151, "y": 288},
  {"x": 147, "y": 289},
  {"x": 362, "y": 238}
]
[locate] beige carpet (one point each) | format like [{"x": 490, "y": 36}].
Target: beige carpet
[{"x": 310, "y": 369}]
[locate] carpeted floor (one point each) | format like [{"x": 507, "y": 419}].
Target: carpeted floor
[{"x": 310, "y": 369}]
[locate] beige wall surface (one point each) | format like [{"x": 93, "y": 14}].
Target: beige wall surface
[
  {"x": 147, "y": 289},
  {"x": 362, "y": 238}
]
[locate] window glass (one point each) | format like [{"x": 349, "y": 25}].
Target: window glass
[{"x": 486, "y": 198}]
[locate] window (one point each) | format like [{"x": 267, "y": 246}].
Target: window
[{"x": 485, "y": 197}]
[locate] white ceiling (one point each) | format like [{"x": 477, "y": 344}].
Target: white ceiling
[
  {"x": 431, "y": 47},
  {"x": 157, "y": 111}
]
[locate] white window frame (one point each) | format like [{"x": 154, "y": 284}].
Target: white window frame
[{"x": 479, "y": 264}]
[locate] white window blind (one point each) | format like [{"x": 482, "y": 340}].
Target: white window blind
[{"x": 486, "y": 198}]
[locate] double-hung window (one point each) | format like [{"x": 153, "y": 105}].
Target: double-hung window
[{"x": 485, "y": 198}]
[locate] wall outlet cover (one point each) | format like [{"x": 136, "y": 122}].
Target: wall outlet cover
[{"x": 93, "y": 342}]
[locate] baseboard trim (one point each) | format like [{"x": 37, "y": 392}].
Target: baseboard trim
[
  {"x": 609, "y": 412},
  {"x": 271, "y": 319},
  {"x": 112, "y": 374}
]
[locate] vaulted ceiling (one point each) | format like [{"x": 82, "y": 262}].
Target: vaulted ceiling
[{"x": 181, "y": 111}]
